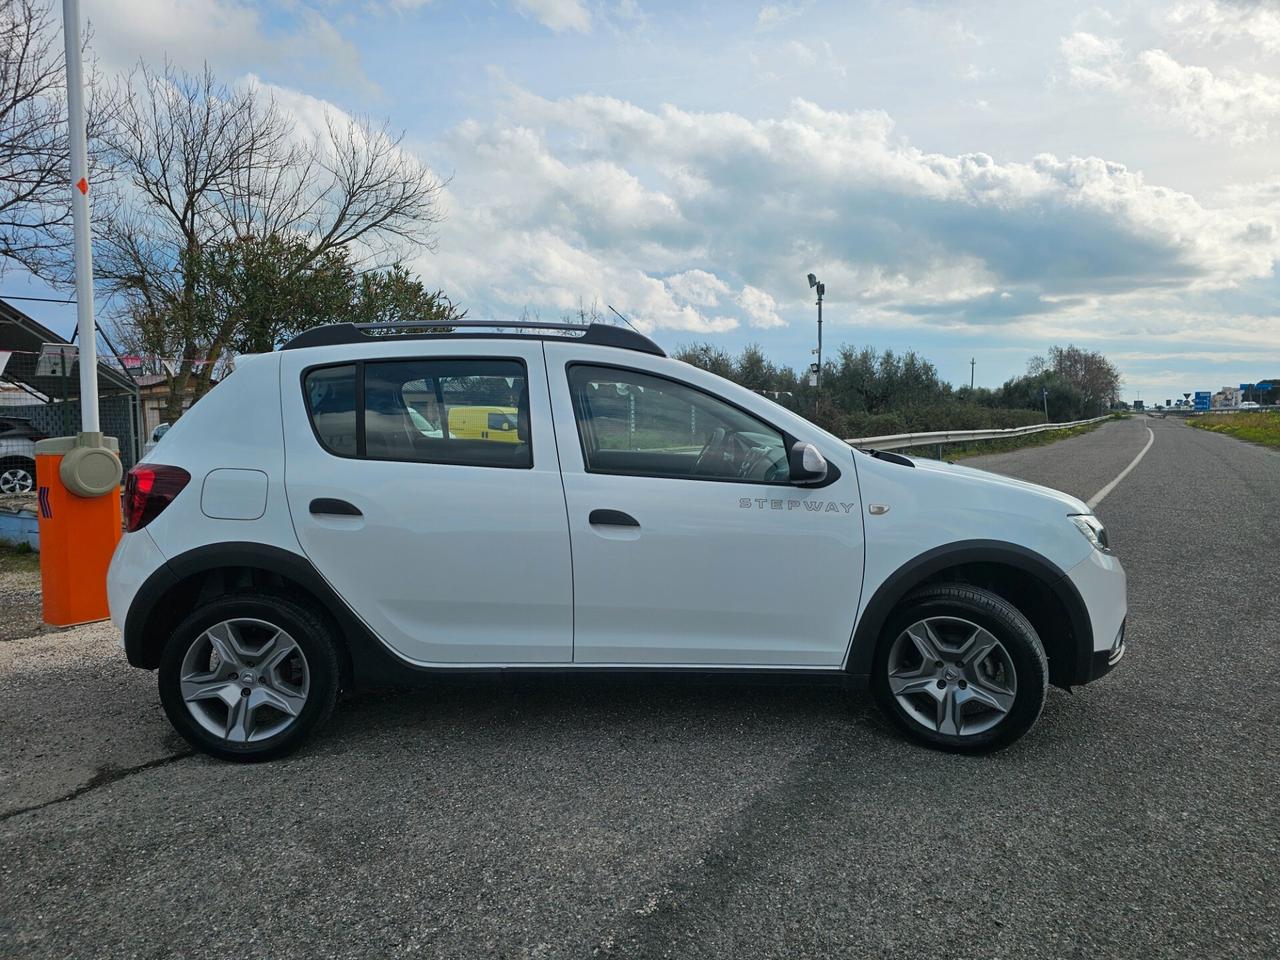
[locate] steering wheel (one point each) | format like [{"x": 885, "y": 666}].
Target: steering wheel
[
  {"x": 714, "y": 447},
  {"x": 749, "y": 462}
]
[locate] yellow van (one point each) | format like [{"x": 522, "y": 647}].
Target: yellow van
[{"x": 484, "y": 423}]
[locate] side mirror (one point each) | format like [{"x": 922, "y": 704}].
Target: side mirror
[{"x": 807, "y": 463}]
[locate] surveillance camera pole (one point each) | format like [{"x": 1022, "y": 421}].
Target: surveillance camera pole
[{"x": 821, "y": 290}]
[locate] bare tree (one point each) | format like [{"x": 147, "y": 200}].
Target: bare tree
[
  {"x": 35, "y": 189},
  {"x": 202, "y": 164},
  {"x": 1088, "y": 371}
]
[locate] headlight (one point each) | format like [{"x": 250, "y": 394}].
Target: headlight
[{"x": 1092, "y": 528}]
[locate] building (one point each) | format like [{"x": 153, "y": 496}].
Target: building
[{"x": 1226, "y": 397}]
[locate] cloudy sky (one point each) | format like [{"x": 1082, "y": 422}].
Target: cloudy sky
[{"x": 969, "y": 179}]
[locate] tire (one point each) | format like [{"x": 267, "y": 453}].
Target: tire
[
  {"x": 249, "y": 676},
  {"x": 17, "y": 475},
  {"x": 975, "y": 701}
]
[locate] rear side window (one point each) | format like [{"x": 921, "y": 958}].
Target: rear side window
[
  {"x": 331, "y": 400},
  {"x": 466, "y": 412}
]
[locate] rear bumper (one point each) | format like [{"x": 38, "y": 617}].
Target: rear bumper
[{"x": 136, "y": 558}]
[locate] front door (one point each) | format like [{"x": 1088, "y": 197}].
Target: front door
[
  {"x": 424, "y": 486},
  {"x": 690, "y": 546}
]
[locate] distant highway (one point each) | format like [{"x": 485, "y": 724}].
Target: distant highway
[{"x": 580, "y": 818}]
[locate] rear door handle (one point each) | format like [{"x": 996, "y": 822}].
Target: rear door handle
[
  {"x": 327, "y": 506},
  {"x": 613, "y": 518}
]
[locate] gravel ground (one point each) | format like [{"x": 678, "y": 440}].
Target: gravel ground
[
  {"x": 609, "y": 818},
  {"x": 20, "y": 608}
]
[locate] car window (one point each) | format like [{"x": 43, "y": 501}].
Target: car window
[
  {"x": 331, "y": 401},
  {"x": 640, "y": 425},
  {"x": 448, "y": 411},
  {"x": 469, "y": 412}
]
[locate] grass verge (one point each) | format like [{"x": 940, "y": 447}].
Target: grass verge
[
  {"x": 1263, "y": 428},
  {"x": 18, "y": 558}
]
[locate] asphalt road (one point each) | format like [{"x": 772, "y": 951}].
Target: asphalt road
[{"x": 593, "y": 818}]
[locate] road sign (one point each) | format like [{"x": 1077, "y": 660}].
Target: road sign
[{"x": 1204, "y": 399}]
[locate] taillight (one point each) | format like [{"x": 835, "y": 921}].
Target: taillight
[{"x": 148, "y": 489}]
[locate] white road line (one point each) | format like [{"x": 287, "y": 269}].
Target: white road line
[{"x": 1098, "y": 497}]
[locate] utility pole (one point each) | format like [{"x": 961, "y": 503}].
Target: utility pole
[{"x": 972, "y": 363}]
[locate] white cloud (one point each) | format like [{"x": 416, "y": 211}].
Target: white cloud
[
  {"x": 1232, "y": 104},
  {"x": 230, "y": 35},
  {"x": 1093, "y": 61},
  {"x": 1240, "y": 106},
  {"x": 596, "y": 197},
  {"x": 558, "y": 15},
  {"x": 760, "y": 308},
  {"x": 698, "y": 287},
  {"x": 773, "y": 14},
  {"x": 774, "y": 61},
  {"x": 1214, "y": 22}
]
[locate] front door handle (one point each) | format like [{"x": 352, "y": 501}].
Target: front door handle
[
  {"x": 329, "y": 507},
  {"x": 613, "y": 518}
]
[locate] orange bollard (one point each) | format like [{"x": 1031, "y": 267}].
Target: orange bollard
[{"x": 78, "y": 535}]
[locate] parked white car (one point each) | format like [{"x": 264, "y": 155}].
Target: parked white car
[
  {"x": 303, "y": 534},
  {"x": 18, "y": 455}
]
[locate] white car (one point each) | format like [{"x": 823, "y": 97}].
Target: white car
[{"x": 304, "y": 535}]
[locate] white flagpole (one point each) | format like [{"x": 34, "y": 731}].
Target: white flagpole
[{"x": 80, "y": 220}]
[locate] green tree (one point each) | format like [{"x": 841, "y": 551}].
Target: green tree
[
  {"x": 708, "y": 357},
  {"x": 257, "y": 293},
  {"x": 394, "y": 295}
]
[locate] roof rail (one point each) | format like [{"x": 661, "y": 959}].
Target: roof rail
[{"x": 597, "y": 334}]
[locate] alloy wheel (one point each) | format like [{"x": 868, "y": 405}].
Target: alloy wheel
[
  {"x": 952, "y": 676},
  {"x": 16, "y": 480},
  {"x": 245, "y": 680}
]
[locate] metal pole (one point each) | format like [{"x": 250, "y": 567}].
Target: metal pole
[
  {"x": 80, "y": 219},
  {"x": 819, "y": 377},
  {"x": 972, "y": 363}
]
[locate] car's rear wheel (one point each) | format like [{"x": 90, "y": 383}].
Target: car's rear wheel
[
  {"x": 961, "y": 669},
  {"x": 17, "y": 475},
  {"x": 249, "y": 676}
]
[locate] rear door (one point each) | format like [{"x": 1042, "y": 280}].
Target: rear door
[{"x": 453, "y": 549}]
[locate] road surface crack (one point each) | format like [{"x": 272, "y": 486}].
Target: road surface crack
[{"x": 102, "y": 778}]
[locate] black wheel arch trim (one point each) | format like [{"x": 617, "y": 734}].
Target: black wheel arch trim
[
  {"x": 370, "y": 660},
  {"x": 911, "y": 574}
]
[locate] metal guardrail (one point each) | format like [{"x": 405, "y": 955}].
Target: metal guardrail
[{"x": 900, "y": 441}]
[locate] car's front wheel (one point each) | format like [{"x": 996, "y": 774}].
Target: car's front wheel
[
  {"x": 249, "y": 676},
  {"x": 960, "y": 668}
]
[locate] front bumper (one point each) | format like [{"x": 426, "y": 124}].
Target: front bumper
[
  {"x": 1104, "y": 661},
  {"x": 1101, "y": 583}
]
